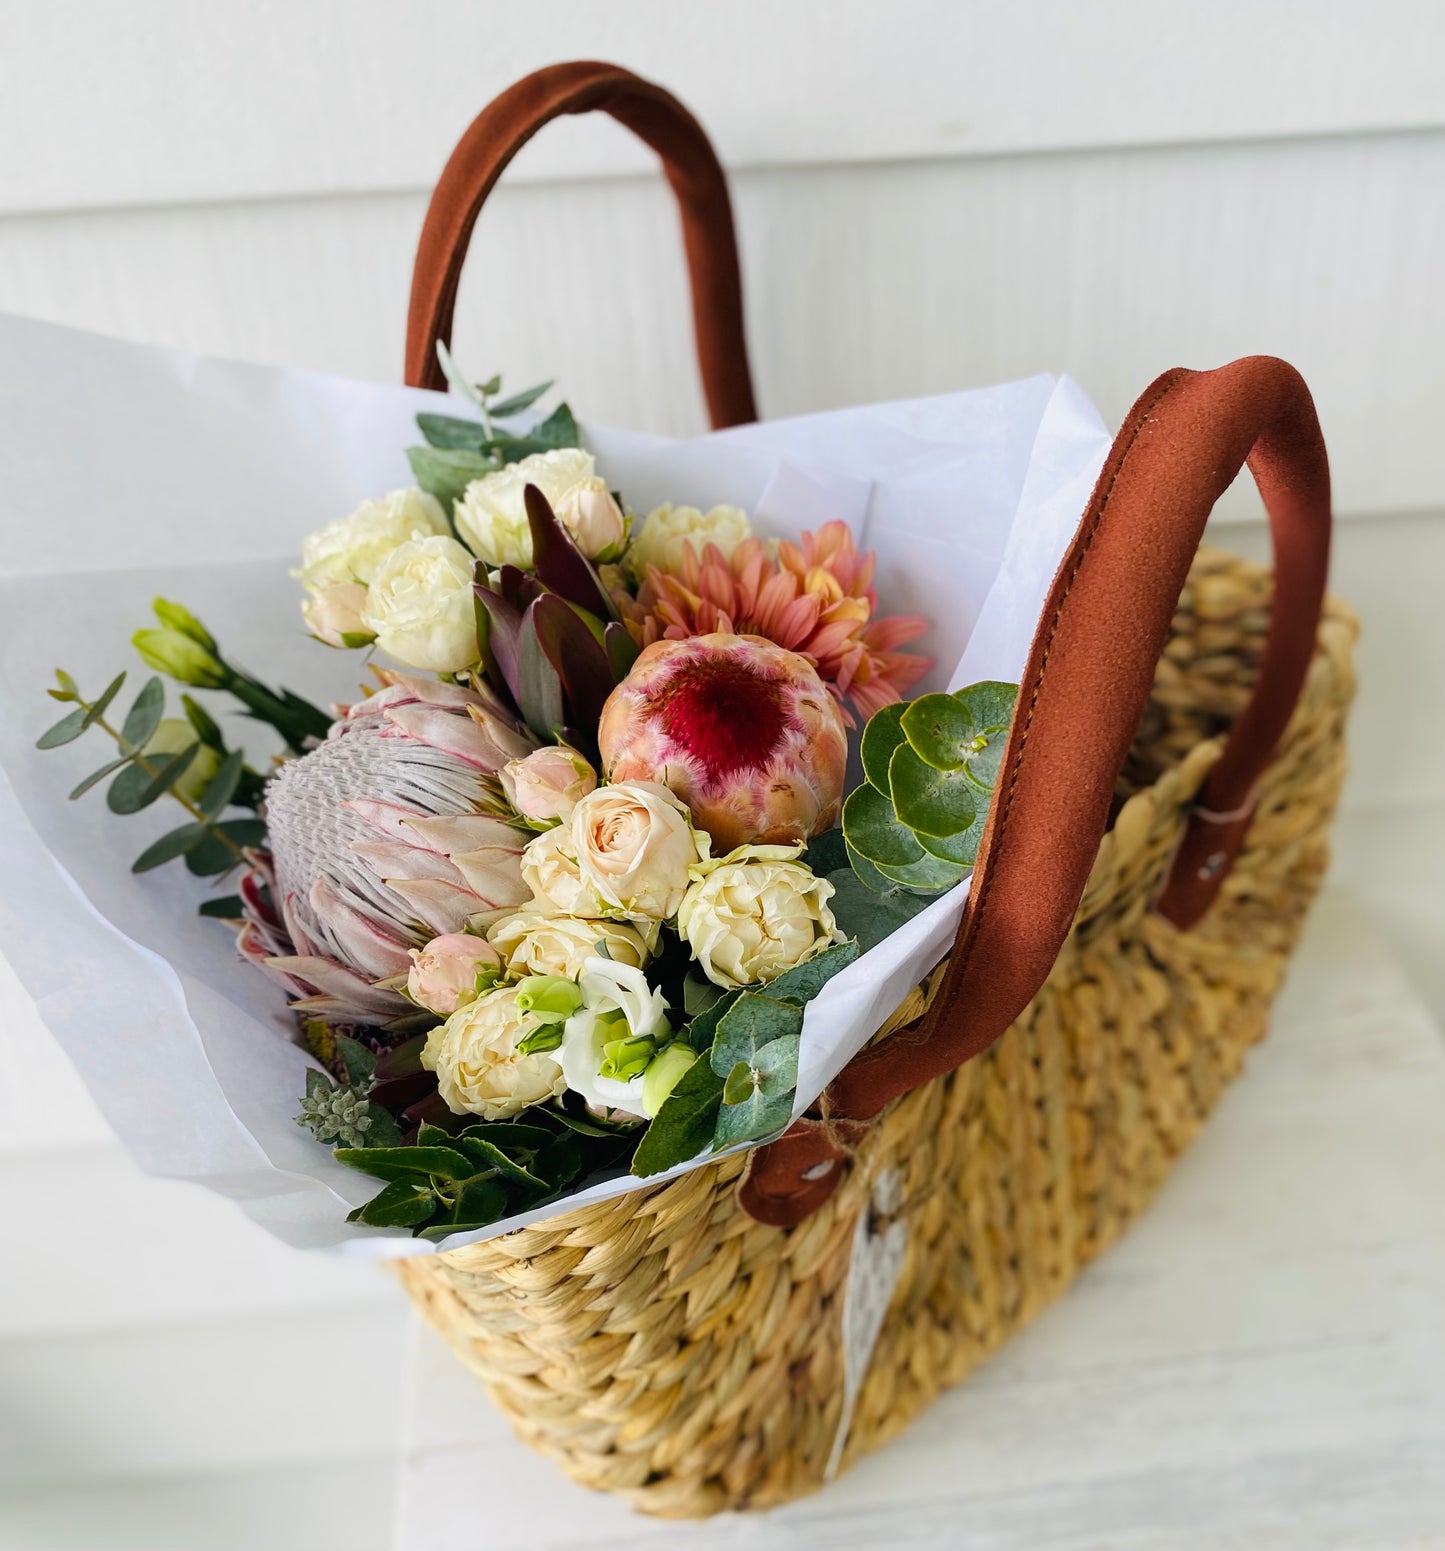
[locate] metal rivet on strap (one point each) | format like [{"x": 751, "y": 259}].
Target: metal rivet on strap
[{"x": 1212, "y": 866}]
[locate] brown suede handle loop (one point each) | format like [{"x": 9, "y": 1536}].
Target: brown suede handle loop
[
  {"x": 1088, "y": 678},
  {"x": 691, "y": 166}
]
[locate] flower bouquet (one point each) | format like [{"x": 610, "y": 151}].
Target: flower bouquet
[
  {"x": 609, "y": 828},
  {"x": 549, "y": 898}
]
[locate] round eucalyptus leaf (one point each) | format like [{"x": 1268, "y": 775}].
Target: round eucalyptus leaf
[
  {"x": 881, "y": 736},
  {"x": 928, "y": 800},
  {"x": 930, "y": 876},
  {"x": 960, "y": 849},
  {"x": 871, "y": 828},
  {"x": 868, "y": 875},
  {"x": 990, "y": 703},
  {"x": 940, "y": 729}
]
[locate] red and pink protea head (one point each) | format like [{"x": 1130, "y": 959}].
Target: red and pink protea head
[{"x": 744, "y": 731}]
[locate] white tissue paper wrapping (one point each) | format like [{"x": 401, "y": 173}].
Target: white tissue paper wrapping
[{"x": 128, "y": 472}]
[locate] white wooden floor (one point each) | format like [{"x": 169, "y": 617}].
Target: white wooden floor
[{"x": 1258, "y": 1364}]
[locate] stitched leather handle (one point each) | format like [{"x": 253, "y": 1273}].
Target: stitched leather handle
[
  {"x": 692, "y": 168},
  {"x": 1089, "y": 674}
]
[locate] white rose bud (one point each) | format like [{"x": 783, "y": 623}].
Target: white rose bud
[
  {"x": 479, "y": 1068},
  {"x": 352, "y": 549},
  {"x": 536, "y": 944},
  {"x": 549, "y": 869},
  {"x": 634, "y": 843},
  {"x": 333, "y": 614},
  {"x": 421, "y": 608},
  {"x": 546, "y": 785},
  {"x": 492, "y": 513},
  {"x": 668, "y": 529},
  {"x": 594, "y": 519},
  {"x": 752, "y": 916},
  {"x": 450, "y": 971}
]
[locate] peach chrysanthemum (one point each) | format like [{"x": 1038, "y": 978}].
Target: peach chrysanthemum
[{"x": 815, "y": 598}]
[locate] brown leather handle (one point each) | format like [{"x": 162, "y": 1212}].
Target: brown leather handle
[
  {"x": 1088, "y": 678},
  {"x": 691, "y": 166}
]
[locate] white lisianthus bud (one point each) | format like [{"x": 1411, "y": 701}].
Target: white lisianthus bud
[
  {"x": 451, "y": 971},
  {"x": 479, "y": 1068},
  {"x": 594, "y": 519},
  {"x": 667, "y": 529},
  {"x": 755, "y": 913},
  {"x": 333, "y": 614},
  {"x": 546, "y": 785},
  {"x": 420, "y": 606},
  {"x": 491, "y": 516},
  {"x": 608, "y": 1045},
  {"x": 634, "y": 844},
  {"x": 536, "y": 944},
  {"x": 353, "y": 549}
]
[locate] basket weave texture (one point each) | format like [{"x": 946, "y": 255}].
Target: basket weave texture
[{"x": 667, "y": 1348}]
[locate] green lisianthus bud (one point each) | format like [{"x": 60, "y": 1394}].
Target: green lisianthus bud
[
  {"x": 664, "y": 1074},
  {"x": 175, "y": 616},
  {"x": 625, "y": 1059},
  {"x": 548, "y": 998},
  {"x": 181, "y": 657}
]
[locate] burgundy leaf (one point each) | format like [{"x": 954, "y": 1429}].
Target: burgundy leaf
[
  {"x": 621, "y": 650},
  {"x": 573, "y": 651},
  {"x": 505, "y": 622},
  {"x": 539, "y": 680},
  {"x": 519, "y": 589},
  {"x": 560, "y": 564}
]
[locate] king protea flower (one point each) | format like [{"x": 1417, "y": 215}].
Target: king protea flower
[
  {"x": 816, "y": 598},
  {"x": 383, "y": 837},
  {"x": 741, "y": 730}
]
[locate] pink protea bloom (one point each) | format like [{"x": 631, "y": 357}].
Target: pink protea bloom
[
  {"x": 382, "y": 838},
  {"x": 743, "y": 731},
  {"x": 816, "y": 598}
]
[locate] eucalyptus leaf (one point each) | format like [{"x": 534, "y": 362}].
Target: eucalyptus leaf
[
  {"x": 169, "y": 846},
  {"x": 925, "y": 799},
  {"x": 505, "y": 408},
  {"x": 108, "y": 694},
  {"x": 869, "y": 916},
  {"x": 97, "y": 776},
  {"x": 228, "y": 908},
  {"x": 559, "y": 429},
  {"x": 940, "y": 730},
  {"x": 137, "y": 787},
  {"x": 213, "y": 855},
  {"x": 144, "y": 715},
  {"x": 222, "y": 786},
  {"x": 450, "y": 433},
  {"x": 750, "y": 1023},
  {"x": 881, "y": 736},
  {"x": 873, "y": 830},
  {"x": 960, "y": 849},
  {"x": 66, "y": 730},
  {"x": 446, "y": 472},
  {"x": 932, "y": 874},
  {"x": 803, "y": 982}
]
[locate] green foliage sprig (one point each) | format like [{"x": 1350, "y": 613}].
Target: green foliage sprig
[
  {"x": 210, "y": 844},
  {"x": 458, "y": 451},
  {"x": 183, "y": 649},
  {"x": 452, "y": 1182},
  {"x": 742, "y": 1086}
]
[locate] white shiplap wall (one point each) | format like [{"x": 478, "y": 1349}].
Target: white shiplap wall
[{"x": 930, "y": 195}]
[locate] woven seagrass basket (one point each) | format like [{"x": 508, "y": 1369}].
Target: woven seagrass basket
[{"x": 1160, "y": 833}]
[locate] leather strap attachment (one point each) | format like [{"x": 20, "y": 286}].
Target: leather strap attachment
[
  {"x": 691, "y": 166},
  {"x": 1088, "y": 678}
]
